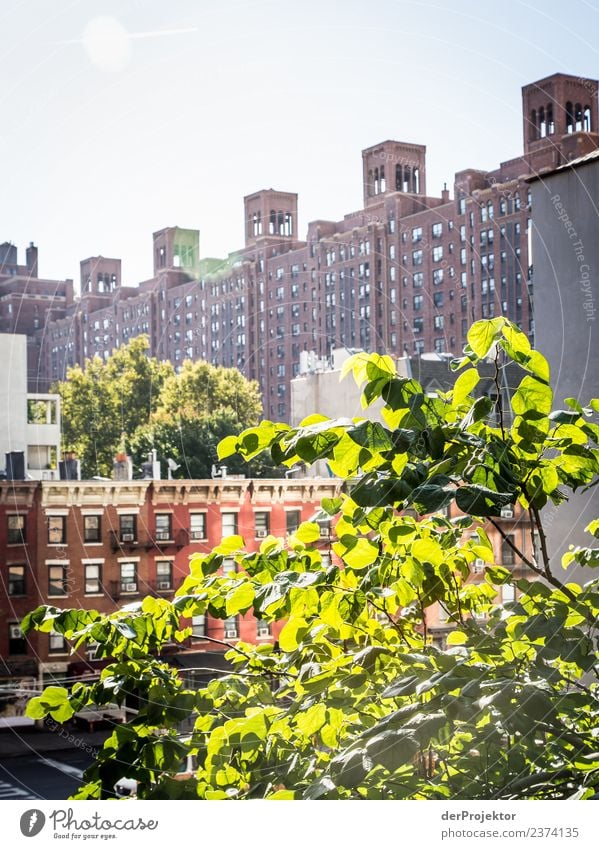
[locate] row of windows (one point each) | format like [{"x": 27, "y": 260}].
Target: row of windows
[{"x": 127, "y": 532}]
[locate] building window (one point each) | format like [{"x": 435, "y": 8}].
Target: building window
[
  {"x": 231, "y": 628},
  {"x": 128, "y": 577},
  {"x": 437, "y": 276},
  {"x": 57, "y": 643},
  {"x": 416, "y": 234},
  {"x": 417, "y": 279},
  {"x": 93, "y": 577},
  {"x": 128, "y": 527},
  {"x": 293, "y": 520},
  {"x": 197, "y": 525},
  {"x": 15, "y": 532},
  {"x": 57, "y": 530},
  {"x": 507, "y": 553},
  {"x": 57, "y": 580},
  {"x": 17, "y": 643},
  {"x": 163, "y": 526},
  {"x": 438, "y": 299},
  {"x": 164, "y": 575},
  {"x": 416, "y": 257},
  {"x": 229, "y": 526},
  {"x": 262, "y": 628},
  {"x": 437, "y": 253},
  {"x": 437, "y": 230},
  {"x": 262, "y": 520},
  {"x": 418, "y": 301},
  {"x": 92, "y": 530},
  {"x": 198, "y": 626},
  {"x": 16, "y": 580}
]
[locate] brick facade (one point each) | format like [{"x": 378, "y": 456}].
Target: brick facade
[
  {"x": 101, "y": 545},
  {"x": 406, "y": 274}
]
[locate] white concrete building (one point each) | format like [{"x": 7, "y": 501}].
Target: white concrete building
[{"x": 29, "y": 422}]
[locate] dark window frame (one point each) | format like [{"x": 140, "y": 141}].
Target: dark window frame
[
  {"x": 164, "y": 526},
  {"x": 12, "y": 581},
  {"x": 18, "y": 535},
  {"x": 127, "y": 526},
  {"x": 92, "y": 534},
  {"x": 54, "y": 582},
  {"x": 56, "y": 535},
  {"x": 88, "y": 580}
]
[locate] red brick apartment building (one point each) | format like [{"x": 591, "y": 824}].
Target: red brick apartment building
[
  {"x": 104, "y": 544},
  {"x": 405, "y": 274}
]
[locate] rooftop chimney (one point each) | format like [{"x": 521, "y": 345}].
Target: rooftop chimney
[
  {"x": 31, "y": 260},
  {"x": 122, "y": 468}
]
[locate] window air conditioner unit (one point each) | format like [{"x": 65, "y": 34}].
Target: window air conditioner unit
[
  {"x": 231, "y": 633},
  {"x": 325, "y": 533},
  {"x": 164, "y": 585},
  {"x": 163, "y": 535},
  {"x": 261, "y": 533},
  {"x": 127, "y": 537},
  {"x": 479, "y": 564},
  {"x": 197, "y": 535},
  {"x": 129, "y": 588},
  {"x": 263, "y": 630},
  {"x": 15, "y": 632},
  {"x": 507, "y": 513}
]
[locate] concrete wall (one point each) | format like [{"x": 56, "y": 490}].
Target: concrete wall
[
  {"x": 13, "y": 394},
  {"x": 565, "y": 256},
  {"x": 40, "y": 441}
]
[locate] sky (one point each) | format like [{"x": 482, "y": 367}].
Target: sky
[{"x": 121, "y": 118}]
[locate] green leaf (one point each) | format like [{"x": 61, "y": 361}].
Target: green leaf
[
  {"x": 35, "y": 708},
  {"x": 480, "y": 501},
  {"x": 53, "y": 696},
  {"x": 240, "y": 600},
  {"x": 532, "y": 396},
  {"x": 350, "y": 768},
  {"x": 308, "y": 532},
  {"x": 464, "y": 385},
  {"x": 392, "y": 749},
  {"x": 227, "y": 446},
  {"x": 483, "y": 334},
  {"x": 229, "y": 545},
  {"x": 356, "y": 552},
  {"x": 310, "y": 722},
  {"x": 456, "y": 638},
  {"x": 292, "y": 634},
  {"x": 428, "y": 549},
  {"x": 331, "y": 505}
]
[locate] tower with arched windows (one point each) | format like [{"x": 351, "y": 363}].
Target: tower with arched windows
[
  {"x": 557, "y": 106},
  {"x": 270, "y": 213},
  {"x": 100, "y": 275},
  {"x": 393, "y": 166}
]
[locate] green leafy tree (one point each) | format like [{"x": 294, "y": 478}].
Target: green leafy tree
[
  {"x": 198, "y": 408},
  {"x": 201, "y": 388},
  {"x": 355, "y": 701},
  {"x": 192, "y": 444},
  {"x": 106, "y": 399}
]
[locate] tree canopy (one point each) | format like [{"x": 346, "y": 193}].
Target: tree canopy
[
  {"x": 135, "y": 402},
  {"x": 355, "y": 700}
]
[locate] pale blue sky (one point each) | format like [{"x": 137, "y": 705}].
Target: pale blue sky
[{"x": 105, "y": 137}]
